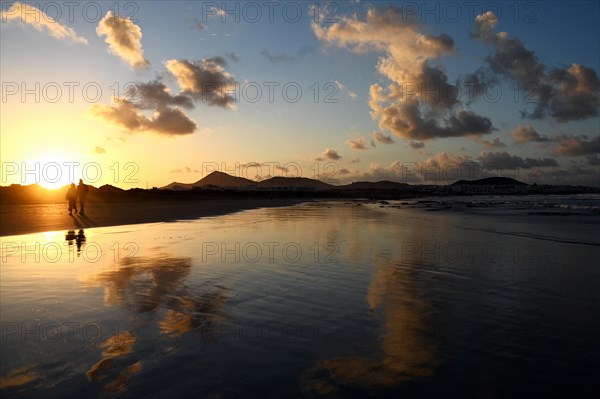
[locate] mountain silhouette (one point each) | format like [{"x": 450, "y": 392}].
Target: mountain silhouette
[
  {"x": 295, "y": 182},
  {"x": 491, "y": 181},
  {"x": 216, "y": 178}
]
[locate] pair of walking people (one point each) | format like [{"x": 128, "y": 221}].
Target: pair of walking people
[{"x": 75, "y": 192}]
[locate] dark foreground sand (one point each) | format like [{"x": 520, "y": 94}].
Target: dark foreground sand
[{"x": 25, "y": 219}]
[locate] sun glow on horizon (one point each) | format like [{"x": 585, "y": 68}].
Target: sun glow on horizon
[{"x": 52, "y": 170}]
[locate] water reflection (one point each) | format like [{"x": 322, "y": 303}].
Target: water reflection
[
  {"x": 155, "y": 286},
  {"x": 406, "y": 349},
  {"x": 79, "y": 239},
  {"x": 115, "y": 356}
]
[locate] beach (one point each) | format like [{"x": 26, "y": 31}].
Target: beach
[
  {"x": 32, "y": 218},
  {"x": 329, "y": 298}
]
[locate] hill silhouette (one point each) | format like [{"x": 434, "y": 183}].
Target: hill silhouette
[
  {"x": 216, "y": 178},
  {"x": 491, "y": 181},
  {"x": 295, "y": 182}
]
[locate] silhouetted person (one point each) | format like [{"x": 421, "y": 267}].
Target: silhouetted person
[
  {"x": 82, "y": 192},
  {"x": 72, "y": 198}
]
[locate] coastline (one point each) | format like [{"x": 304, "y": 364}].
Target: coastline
[{"x": 37, "y": 218}]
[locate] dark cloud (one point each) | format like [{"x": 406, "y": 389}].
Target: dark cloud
[
  {"x": 574, "y": 146},
  {"x": 565, "y": 94},
  {"x": 204, "y": 80},
  {"x": 171, "y": 121},
  {"x": 574, "y": 175},
  {"x": 382, "y": 138},
  {"x": 408, "y": 120},
  {"x": 156, "y": 94},
  {"x": 165, "y": 121},
  {"x": 503, "y": 160}
]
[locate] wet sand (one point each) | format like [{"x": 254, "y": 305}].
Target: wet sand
[{"x": 35, "y": 218}]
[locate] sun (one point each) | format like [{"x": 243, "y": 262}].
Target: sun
[{"x": 51, "y": 170}]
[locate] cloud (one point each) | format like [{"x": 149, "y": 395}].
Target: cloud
[
  {"x": 382, "y": 138},
  {"x": 185, "y": 169},
  {"x": 355, "y": 160},
  {"x": 124, "y": 39},
  {"x": 495, "y": 143},
  {"x": 357, "y": 144},
  {"x": 420, "y": 102},
  {"x": 574, "y": 175},
  {"x": 328, "y": 154},
  {"x": 41, "y": 21},
  {"x": 574, "y": 146},
  {"x": 565, "y": 94},
  {"x": 197, "y": 24},
  {"x": 205, "y": 80},
  {"x": 527, "y": 134},
  {"x": 283, "y": 58},
  {"x": 165, "y": 120},
  {"x": 416, "y": 144},
  {"x": 344, "y": 89},
  {"x": 446, "y": 167},
  {"x": 407, "y": 120},
  {"x": 503, "y": 160},
  {"x": 232, "y": 56},
  {"x": 99, "y": 150},
  {"x": 156, "y": 94}
]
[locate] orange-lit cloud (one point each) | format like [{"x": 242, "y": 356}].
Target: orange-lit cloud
[
  {"x": 357, "y": 144},
  {"x": 165, "y": 121},
  {"x": 526, "y": 133},
  {"x": 328, "y": 154},
  {"x": 124, "y": 39},
  {"x": 406, "y": 106},
  {"x": 41, "y": 21}
]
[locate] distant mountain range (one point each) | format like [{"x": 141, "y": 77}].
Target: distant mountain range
[
  {"x": 223, "y": 180},
  {"x": 223, "y": 185},
  {"x": 220, "y": 179}
]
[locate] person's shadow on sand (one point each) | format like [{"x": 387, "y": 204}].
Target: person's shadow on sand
[
  {"x": 84, "y": 221},
  {"x": 79, "y": 239}
]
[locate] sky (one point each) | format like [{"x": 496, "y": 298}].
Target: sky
[{"x": 142, "y": 94}]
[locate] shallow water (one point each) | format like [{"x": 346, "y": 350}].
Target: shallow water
[{"x": 322, "y": 299}]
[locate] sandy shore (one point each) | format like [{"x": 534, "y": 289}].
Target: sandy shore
[{"x": 25, "y": 219}]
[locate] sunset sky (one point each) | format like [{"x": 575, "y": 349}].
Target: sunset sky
[{"x": 138, "y": 94}]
